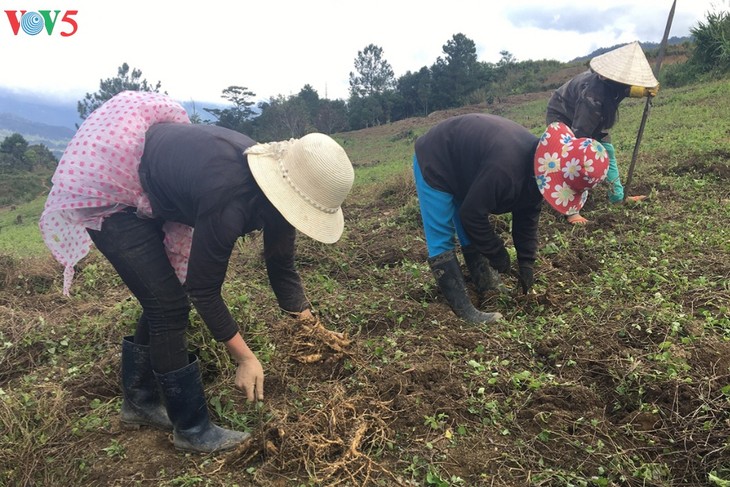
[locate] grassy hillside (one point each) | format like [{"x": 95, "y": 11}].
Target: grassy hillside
[{"x": 616, "y": 373}]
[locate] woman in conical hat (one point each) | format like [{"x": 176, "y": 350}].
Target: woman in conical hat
[
  {"x": 589, "y": 102},
  {"x": 135, "y": 180}
]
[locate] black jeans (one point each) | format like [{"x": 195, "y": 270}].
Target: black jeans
[{"x": 134, "y": 246}]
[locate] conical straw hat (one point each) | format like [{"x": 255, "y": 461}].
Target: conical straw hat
[{"x": 627, "y": 65}]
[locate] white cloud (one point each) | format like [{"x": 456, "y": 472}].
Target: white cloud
[{"x": 196, "y": 49}]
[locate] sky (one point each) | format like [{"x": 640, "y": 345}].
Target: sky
[{"x": 276, "y": 47}]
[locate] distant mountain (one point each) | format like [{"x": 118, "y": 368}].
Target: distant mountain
[
  {"x": 52, "y": 136},
  {"x": 38, "y": 119},
  {"x": 42, "y": 120},
  {"x": 37, "y": 108},
  {"x": 23, "y": 126},
  {"x": 646, "y": 46}
]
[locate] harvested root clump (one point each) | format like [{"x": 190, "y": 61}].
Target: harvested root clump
[
  {"x": 334, "y": 441},
  {"x": 312, "y": 342}
]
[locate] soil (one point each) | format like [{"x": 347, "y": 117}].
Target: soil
[{"x": 409, "y": 386}]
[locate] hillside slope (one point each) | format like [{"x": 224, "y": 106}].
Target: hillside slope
[{"x": 616, "y": 372}]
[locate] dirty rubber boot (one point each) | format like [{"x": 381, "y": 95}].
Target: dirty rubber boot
[
  {"x": 450, "y": 280},
  {"x": 142, "y": 404},
  {"x": 185, "y": 399},
  {"x": 484, "y": 277}
]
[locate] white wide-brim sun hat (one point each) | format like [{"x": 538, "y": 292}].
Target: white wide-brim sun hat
[
  {"x": 627, "y": 65},
  {"x": 307, "y": 180}
]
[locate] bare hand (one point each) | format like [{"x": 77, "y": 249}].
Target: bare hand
[
  {"x": 250, "y": 379},
  {"x": 305, "y": 315},
  {"x": 576, "y": 219}
]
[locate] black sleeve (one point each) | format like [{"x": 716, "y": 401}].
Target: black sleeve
[
  {"x": 279, "y": 247},
  {"x": 213, "y": 240},
  {"x": 587, "y": 117},
  {"x": 474, "y": 213},
  {"x": 524, "y": 233}
]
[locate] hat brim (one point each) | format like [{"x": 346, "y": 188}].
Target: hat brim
[
  {"x": 566, "y": 210},
  {"x": 557, "y": 151},
  {"x": 314, "y": 223},
  {"x": 627, "y": 65}
]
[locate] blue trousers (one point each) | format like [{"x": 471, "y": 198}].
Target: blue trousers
[
  {"x": 440, "y": 216},
  {"x": 134, "y": 246}
]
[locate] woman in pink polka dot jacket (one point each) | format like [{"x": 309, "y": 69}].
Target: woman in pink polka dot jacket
[{"x": 135, "y": 180}]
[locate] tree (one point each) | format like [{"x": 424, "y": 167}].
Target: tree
[
  {"x": 366, "y": 111},
  {"x": 297, "y": 115},
  {"x": 331, "y": 117},
  {"x": 282, "y": 118},
  {"x": 311, "y": 100},
  {"x": 507, "y": 59},
  {"x": 17, "y": 155},
  {"x": 461, "y": 52},
  {"x": 415, "y": 91},
  {"x": 712, "y": 43},
  {"x": 456, "y": 75},
  {"x": 374, "y": 74},
  {"x": 194, "y": 116},
  {"x": 14, "y": 146},
  {"x": 124, "y": 81},
  {"x": 239, "y": 117},
  {"x": 39, "y": 155}
]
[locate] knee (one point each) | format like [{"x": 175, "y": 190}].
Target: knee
[
  {"x": 177, "y": 309},
  {"x": 168, "y": 312}
]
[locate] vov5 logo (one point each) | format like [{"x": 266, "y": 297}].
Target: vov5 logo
[{"x": 33, "y": 23}]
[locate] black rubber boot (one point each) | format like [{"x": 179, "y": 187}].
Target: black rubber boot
[
  {"x": 142, "y": 404},
  {"x": 484, "y": 277},
  {"x": 450, "y": 280},
  {"x": 185, "y": 398}
]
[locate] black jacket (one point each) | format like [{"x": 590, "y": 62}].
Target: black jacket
[
  {"x": 486, "y": 162},
  {"x": 199, "y": 176},
  {"x": 579, "y": 103}
]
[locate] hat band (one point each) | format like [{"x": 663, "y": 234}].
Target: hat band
[{"x": 285, "y": 175}]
